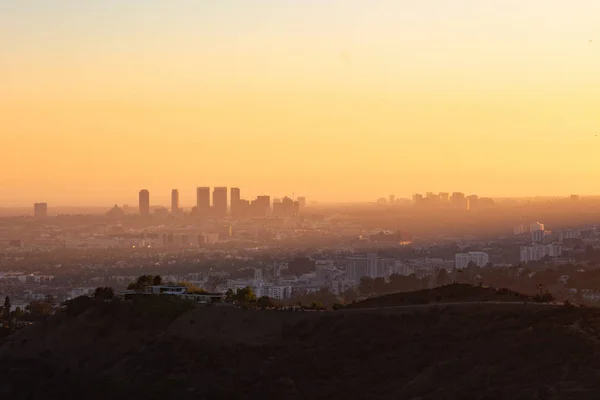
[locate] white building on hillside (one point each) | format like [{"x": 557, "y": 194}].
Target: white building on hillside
[{"x": 479, "y": 258}]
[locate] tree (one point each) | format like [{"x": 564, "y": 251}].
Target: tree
[
  {"x": 366, "y": 285},
  {"x": 104, "y": 293},
  {"x": 379, "y": 285},
  {"x": 229, "y": 296},
  {"x": 245, "y": 296},
  {"x": 17, "y": 314},
  {"x": 442, "y": 278},
  {"x": 265, "y": 302},
  {"x": 191, "y": 288},
  {"x": 79, "y": 305},
  {"x": 7, "y": 307},
  {"x": 144, "y": 281},
  {"x": 350, "y": 295},
  {"x": 38, "y": 309}
]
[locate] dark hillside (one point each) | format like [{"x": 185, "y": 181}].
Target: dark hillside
[
  {"x": 480, "y": 351},
  {"x": 442, "y": 294}
]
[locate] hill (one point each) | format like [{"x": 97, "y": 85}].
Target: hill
[
  {"x": 442, "y": 294},
  {"x": 165, "y": 350}
]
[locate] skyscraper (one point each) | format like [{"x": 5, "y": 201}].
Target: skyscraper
[
  {"x": 220, "y": 202},
  {"x": 203, "y": 201},
  {"x": 261, "y": 207},
  {"x": 174, "y": 201},
  {"x": 235, "y": 201},
  {"x": 459, "y": 201},
  {"x": 40, "y": 210},
  {"x": 144, "y": 200},
  {"x": 302, "y": 201}
]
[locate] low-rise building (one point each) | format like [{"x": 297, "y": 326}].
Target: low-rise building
[
  {"x": 539, "y": 251},
  {"x": 479, "y": 258}
]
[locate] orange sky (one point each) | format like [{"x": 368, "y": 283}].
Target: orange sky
[{"x": 335, "y": 100}]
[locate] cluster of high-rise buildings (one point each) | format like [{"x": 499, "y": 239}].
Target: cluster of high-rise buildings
[
  {"x": 456, "y": 200},
  {"x": 236, "y": 207}
]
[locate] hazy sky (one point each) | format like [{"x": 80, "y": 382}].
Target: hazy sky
[{"x": 335, "y": 100}]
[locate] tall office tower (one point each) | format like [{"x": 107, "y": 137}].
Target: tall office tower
[
  {"x": 174, "y": 201},
  {"x": 288, "y": 206},
  {"x": 203, "y": 201},
  {"x": 459, "y": 201},
  {"x": 472, "y": 202},
  {"x": 235, "y": 202},
  {"x": 220, "y": 202},
  {"x": 302, "y": 202},
  {"x": 261, "y": 207},
  {"x": 144, "y": 202},
  {"x": 40, "y": 210},
  {"x": 392, "y": 199}
]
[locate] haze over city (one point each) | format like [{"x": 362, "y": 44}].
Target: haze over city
[{"x": 338, "y": 100}]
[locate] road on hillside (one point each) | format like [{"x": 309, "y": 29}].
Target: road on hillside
[{"x": 464, "y": 303}]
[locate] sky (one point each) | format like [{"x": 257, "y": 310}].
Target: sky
[{"x": 336, "y": 100}]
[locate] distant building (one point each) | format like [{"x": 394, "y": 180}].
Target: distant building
[
  {"x": 444, "y": 197},
  {"x": 258, "y": 274},
  {"x": 203, "y": 201},
  {"x": 288, "y": 207},
  {"x": 302, "y": 202},
  {"x": 174, "y": 201},
  {"x": 207, "y": 238},
  {"x": 368, "y": 265},
  {"x": 392, "y": 199},
  {"x": 40, "y": 210},
  {"x": 536, "y": 226},
  {"x": 574, "y": 197},
  {"x": 541, "y": 236},
  {"x": 462, "y": 260},
  {"x": 220, "y": 201},
  {"x": 519, "y": 230},
  {"x": 472, "y": 202},
  {"x": 235, "y": 202},
  {"x": 570, "y": 234},
  {"x": 324, "y": 273},
  {"x": 539, "y": 251},
  {"x": 400, "y": 268},
  {"x": 459, "y": 201},
  {"x": 261, "y": 207},
  {"x": 144, "y": 202}
]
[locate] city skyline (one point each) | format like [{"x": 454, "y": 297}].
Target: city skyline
[{"x": 203, "y": 198}]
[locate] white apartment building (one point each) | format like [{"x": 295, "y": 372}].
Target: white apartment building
[
  {"x": 340, "y": 286},
  {"x": 519, "y": 230},
  {"x": 279, "y": 292},
  {"x": 400, "y": 268},
  {"x": 363, "y": 265},
  {"x": 570, "y": 234},
  {"x": 261, "y": 288},
  {"x": 540, "y": 236},
  {"x": 539, "y": 251},
  {"x": 479, "y": 258},
  {"x": 369, "y": 265}
]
